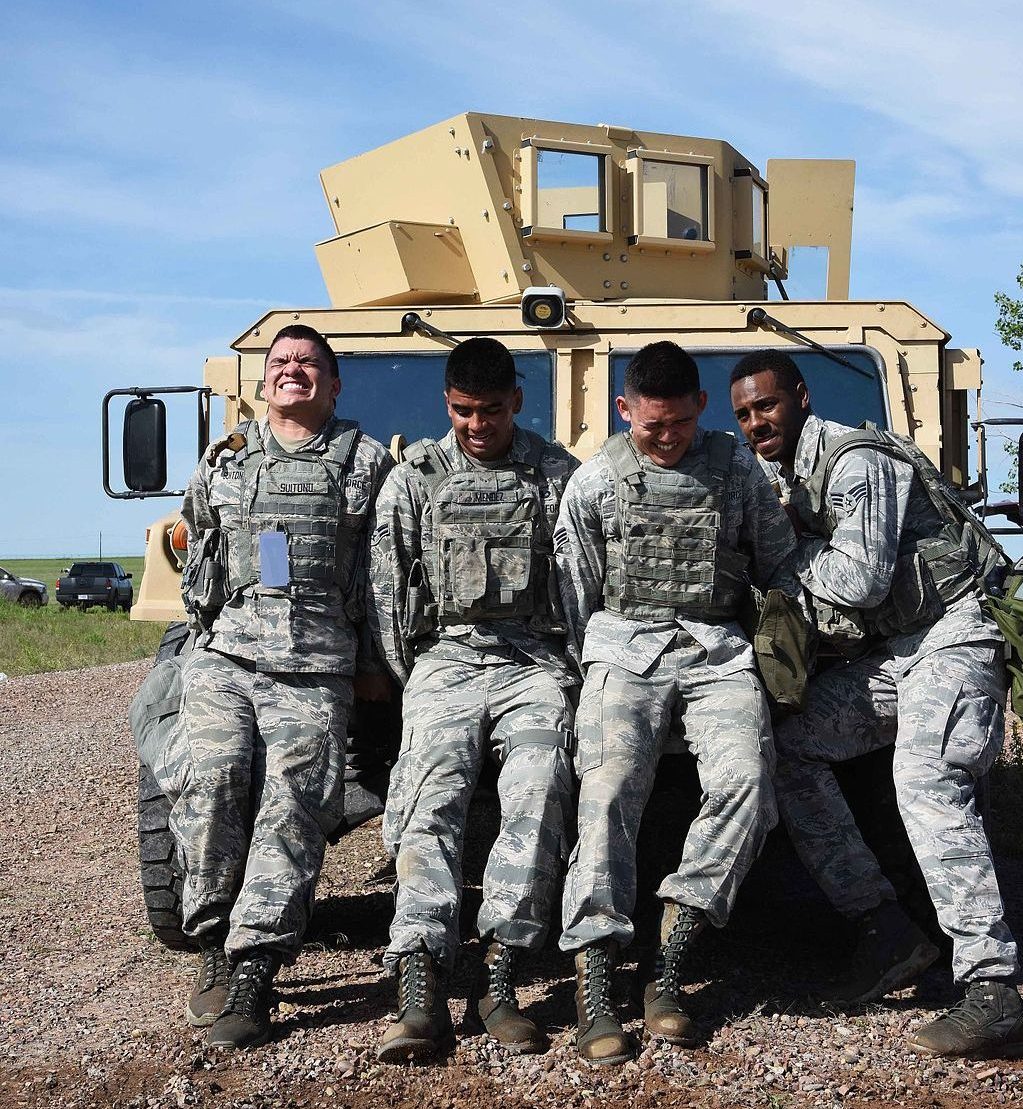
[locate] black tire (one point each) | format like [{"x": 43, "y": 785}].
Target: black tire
[
  {"x": 28, "y": 599},
  {"x": 112, "y": 603},
  {"x": 158, "y": 866},
  {"x": 173, "y": 642}
]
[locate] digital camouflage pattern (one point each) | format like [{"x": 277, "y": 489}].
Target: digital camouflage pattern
[
  {"x": 456, "y": 714},
  {"x": 267, "y": 694},
  {"x": 495, "y": 687},
  {"x": 938, "y": 692},
  {"x": 400, "y": 586},
  {"x": 753, "y": 523},
  {"x": 661, "y": 679},
  {"x": 313, "y": 624},
  {"x": 492, "y": 550},
  {"x": 620, "y": 729},
  {"x": 260, "y": 787},
  {"x": 674, "y": 557}
]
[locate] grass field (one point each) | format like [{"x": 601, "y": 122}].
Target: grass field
[{"x": 36, "y": 640}]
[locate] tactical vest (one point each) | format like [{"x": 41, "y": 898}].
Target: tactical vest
[
  {"x": 671, "y": 558},
  {"x": 492, "y": 554},
  {"x": 301, "y": 494},
  {"x": 944, "y": 552}
]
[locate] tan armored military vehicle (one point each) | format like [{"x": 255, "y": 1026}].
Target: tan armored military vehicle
[{"x": 575, "y": 245}]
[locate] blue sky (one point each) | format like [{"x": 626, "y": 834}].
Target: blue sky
[{"x": 159, "y": 190}]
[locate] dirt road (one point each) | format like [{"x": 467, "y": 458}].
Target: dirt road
[{"x": 92, "y": 1006}]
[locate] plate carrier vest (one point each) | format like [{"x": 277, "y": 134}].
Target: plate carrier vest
[
  {"x": 671, "y": 559},
  {"x": 306, "y": 501},
  {"x": 492, "y": 555}
]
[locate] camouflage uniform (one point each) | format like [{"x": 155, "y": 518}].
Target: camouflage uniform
[
  {"x": 938, "y": 692},
  {"x": 496, "y": 686},
  {"x": 268, "y": 688},
  {"x": 646, "y": 676}
]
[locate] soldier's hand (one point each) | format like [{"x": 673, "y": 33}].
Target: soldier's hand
[{"x": 372, "y": 687}]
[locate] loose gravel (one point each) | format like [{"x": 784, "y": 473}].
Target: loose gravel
[{"x": 93, "y": 1006}]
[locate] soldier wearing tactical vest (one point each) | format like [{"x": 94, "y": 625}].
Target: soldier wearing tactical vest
[
  {"x": 888, "y": 554},
  {"x": 463, "y": 598},
  {"x": 275, "y": 583},
  {"x": 657, "y": 539}
]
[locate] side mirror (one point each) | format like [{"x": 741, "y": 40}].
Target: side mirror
[
  {"x": 128, "y": 575},
  {"x": 145, "y": 445},
  {"x": 144, "y": 439}
]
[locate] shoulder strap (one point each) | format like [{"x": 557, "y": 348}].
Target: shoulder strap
[
  {"x": 536, "y": 448},
  {"x": 342, "y": 446},
  {"x": 623, "y": 458},
  {"x": 720, "y": 452},
  {"x": 953, "y": 512},
  {"x": 429, "y": 461}
]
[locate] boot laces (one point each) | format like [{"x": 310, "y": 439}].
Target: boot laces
[
  {"x": 249, "y": 989},
  {"x": 974, "y": 1010},
  {"x": 502, "y": 976},
  {"x": 597, "y": 983},
  {"x": 215, "y": 970},
  {"x": 671, "y": 957},
  {"x": 412, "y": 982}
]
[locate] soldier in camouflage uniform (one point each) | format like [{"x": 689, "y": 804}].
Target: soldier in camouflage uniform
[
  {"x": 276, "y": 514},
  {"x": 657, "y": 537},
  {"x": 463, "y": 599},
  {"x": 877, "y": 556}
]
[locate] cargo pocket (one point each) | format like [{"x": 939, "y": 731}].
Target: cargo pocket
[{"x": 589, "y": 720}]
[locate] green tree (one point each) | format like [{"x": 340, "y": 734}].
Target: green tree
[{"x": 1009, "y": 326}]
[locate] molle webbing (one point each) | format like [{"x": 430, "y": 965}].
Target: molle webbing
[
  {"x": 312, "y": 517},
  {"x": 670, "y": 558},
  {"x": 492, "y": 550}
]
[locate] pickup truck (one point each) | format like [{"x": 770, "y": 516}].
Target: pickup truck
[
  {"x": 30, "y": 592},
  {"x": 95, "y": 583}
]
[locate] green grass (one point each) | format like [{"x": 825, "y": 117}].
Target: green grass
[
  {"x": 36, "y": 640},
  {"x": 49, "y": 569}
]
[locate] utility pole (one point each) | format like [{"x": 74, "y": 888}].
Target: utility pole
[{"x": 101, "y": 545}]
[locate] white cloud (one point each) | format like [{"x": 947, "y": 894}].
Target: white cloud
[{"x": 926, "y": 67}]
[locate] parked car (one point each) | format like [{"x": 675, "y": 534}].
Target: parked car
[
  {"x": 95, "y": 583},
  {"x": 29, "y": 592}
]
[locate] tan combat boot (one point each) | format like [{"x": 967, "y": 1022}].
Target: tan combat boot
[
  {"x": 600, "y": 1037},
  {"x": 493, "y": 1001},
  {"x": 663, "y": 998},
  {"x": 423, "y": 1028}
]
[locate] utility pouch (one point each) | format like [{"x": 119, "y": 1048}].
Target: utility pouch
[
  {"x": 203, "y": 581},
  {"x": 780, "y": 636}
]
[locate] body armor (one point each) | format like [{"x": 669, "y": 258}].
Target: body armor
[
  {"x": 944, "y": 552},
  {"x": 492, "y": 550},
  {"x": 266, "y": 489},
  {"x": 671, "y": 558}
]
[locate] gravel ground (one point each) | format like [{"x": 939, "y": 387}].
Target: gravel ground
[{"x": 93, "y": 1004}]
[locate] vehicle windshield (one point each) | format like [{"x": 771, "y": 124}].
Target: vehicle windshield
[
  {"x": 391, "y": 394},
  {"x": 840, "y": 393}
]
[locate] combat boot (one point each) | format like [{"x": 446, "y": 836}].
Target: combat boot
[
  {"x": 600, "y": 1037},
  {"x": 663, "y": 1014},
  {"x": 493, "y": 1001},
  {"x": 209, "y": 994},
  {"x": 988, "y": 1021},
  {"x": 891, "y": 952},
  {"x": 245, "y": 1020},
  {"x": 423, "y": 1028}
]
